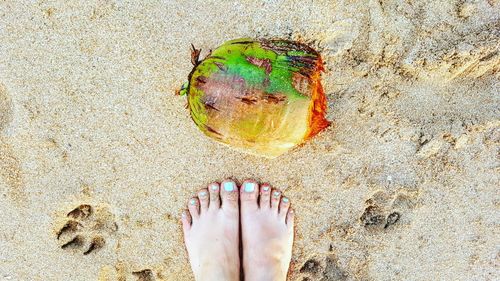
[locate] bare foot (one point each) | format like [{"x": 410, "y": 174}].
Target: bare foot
[
  {"x": 211, "y": 233},
  {"x": 267, "y": 232}
]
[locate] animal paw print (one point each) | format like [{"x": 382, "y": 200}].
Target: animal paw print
[
  {"x": 123, "y": 271},
  {"x": 87, "y": 229},
  {"x": 144, "y": 275},
  {"x": 328, "y": 269},
  {"x": 385, "y": 209},
  {"x": 373, "y": 215}
]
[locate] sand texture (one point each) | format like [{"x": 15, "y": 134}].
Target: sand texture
[{"x": 98, "y": 156}]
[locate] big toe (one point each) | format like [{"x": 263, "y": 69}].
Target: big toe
[
  {"x": 249, "y": 193},
  {"x": 229, "y": 195}
]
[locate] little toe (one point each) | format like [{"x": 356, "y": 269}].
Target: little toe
[
  {"x": 275, "y": 200},
  {"x": 214, "y": 190},
  {"x": 194, "y": 208},
  {"x": 290, "y": 217},
  {"x": 229, "y": 195},
  {"x": 265, "y": 196},
  {"x": 249, "y": 192},
  {"x": 186, "y": 221},
  {"x": 203, "y": 198},
  {"x": 283, "y": 207}
]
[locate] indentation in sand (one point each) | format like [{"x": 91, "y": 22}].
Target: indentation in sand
[
  {"x": 10, "y": 173},
  {"x": 384, "y": 209},
  {"x": 10, "y": 170},
  {"x": 123, "y": 271},
  {"x": 5, "y": 108},
  {"x": 87, "y": 228},
  {"x": 327, "y": 269}
]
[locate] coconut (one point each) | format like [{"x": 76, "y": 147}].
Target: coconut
[{"x": 261, "y": 96}]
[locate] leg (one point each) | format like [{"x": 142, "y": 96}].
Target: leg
[
  {"x": 211, "y": 233},
  {"x": 267, "y": 232}
]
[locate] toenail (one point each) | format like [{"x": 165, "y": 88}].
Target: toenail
[
  {"x": 214, "y": 187},
  {"x": 285, "y": 200},
  {"x": 192, "y": 201},
  {"x": 203, "y": 194},
  {"x": 276, "y": 193},
  {"x": 183, "y": 215},
  {"x": 249, "y": 187},
  {"x": 229, "y": 186},
  {"x": 265, "y": 188}
]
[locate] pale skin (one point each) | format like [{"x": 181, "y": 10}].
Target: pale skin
[{"x": 211, "y": 227}]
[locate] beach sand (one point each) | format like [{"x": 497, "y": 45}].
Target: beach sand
[{"x": 402, "y": 186}]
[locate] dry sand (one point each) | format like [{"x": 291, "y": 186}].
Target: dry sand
[{"x": 88, "y": 115}]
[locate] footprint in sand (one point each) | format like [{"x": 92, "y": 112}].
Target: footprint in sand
[
  {"x": 326, "y": 270},
  {"x": 10, "y": 171},
  {"x": 144, "y": 275},
  {"x": 87, "y": 229},
  {"x": 123, "y": 271},
  {"x": 384, "y": 209}
]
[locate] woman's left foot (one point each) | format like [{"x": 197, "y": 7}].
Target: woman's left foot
[{"x": 267, "y": 232}]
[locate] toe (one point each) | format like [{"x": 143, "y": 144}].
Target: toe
[
  {"x": 275, "y": 200},
  {"x": 249, "y": 192},
  {"x": 265, "y": 196},
  {"x": 194, "y": 208},
  {"x": 290, "y": 217},
  {"x": 214, "y": 190},
  {"x": 283, "y": 207},
  {"x": 203, "y": 198},
  {"x": 229, "y": 195},
  {"x": 186, "y": 221}
]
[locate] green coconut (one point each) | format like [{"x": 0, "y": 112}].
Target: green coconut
[{"x": 262, "y": 96}]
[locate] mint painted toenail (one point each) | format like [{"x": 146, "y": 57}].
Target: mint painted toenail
[
  {"x": 192, "y": 201},
  {"x": 249, "y": 187},
  {"x": 276, "y": 193},
  {"x": 214, "y": 187},
  {"x": 285, "y": 200},
  {"x": 203, "y": 194},
  {"x": 229, "y": 186},
  {"x": 265, "y": 188}
]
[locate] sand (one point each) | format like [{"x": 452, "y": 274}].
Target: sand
[{"x": 403, "y": 185}]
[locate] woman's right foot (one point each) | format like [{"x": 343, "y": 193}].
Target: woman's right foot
[
  {"x": 211, "y": 233},
  {"x": 267, "y": 232}
]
